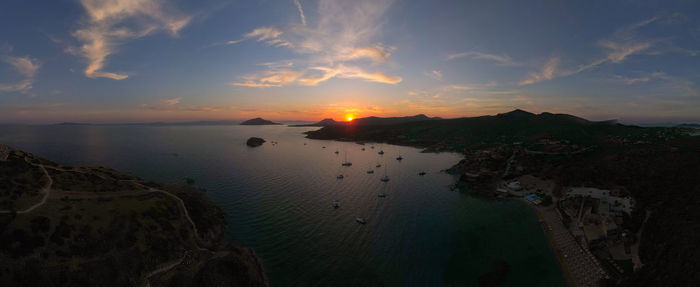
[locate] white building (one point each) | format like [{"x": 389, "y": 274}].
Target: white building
[{"x": 614, "y": 203}]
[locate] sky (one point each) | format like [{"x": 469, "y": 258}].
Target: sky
[{"x": 157, "y": 60}]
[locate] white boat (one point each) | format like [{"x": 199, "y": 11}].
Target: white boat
[
  {"x": 385, "y": 178},
  {"x": 346, "y": 162},
  {"x": 360, "y": 220}
]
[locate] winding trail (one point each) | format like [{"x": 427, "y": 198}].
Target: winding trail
[
  {"x": 46, "y": 190},
  {"x": 167, "y": 267}
]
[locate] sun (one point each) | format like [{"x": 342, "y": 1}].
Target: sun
[{"x": 349, "y": 118}]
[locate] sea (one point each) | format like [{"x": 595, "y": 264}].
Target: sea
[{"x": 278, "y": 199}]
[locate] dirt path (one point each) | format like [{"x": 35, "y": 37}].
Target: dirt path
[{"x": 46, "y": 190}]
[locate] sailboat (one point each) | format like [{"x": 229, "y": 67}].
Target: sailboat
[
  {"x": 346, "y": 162},
  {"x": 385, "y": 178}
]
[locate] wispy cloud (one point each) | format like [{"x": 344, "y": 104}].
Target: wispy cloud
[
  {"x": 548, "y": 72},
  {"x": 624, "y": 42},
  {"x": 301, "y": 12},
  {"x": 499, "y": 59},
  {"x": 312, "y": 76},
  {"x": 25, "y": 67},
  {"x": 435, "y": 74},
  {"x": 642, "y": 79},
  {"x": 346, "y": 31},
  {"x": 108, "y": 24}
]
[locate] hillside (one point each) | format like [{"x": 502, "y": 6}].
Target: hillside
[
  {"x": 94, "y": 226},
  {"x": 460, "y": 133}
]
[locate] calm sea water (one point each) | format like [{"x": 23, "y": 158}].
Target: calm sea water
[{"x": 278, "y": 200}]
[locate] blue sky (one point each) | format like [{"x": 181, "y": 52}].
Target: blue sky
[{"x": 145, "y": 60}]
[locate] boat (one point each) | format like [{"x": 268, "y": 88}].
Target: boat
[
  {"x": 381, "y": 195},
  {"x": 381, "y": 152},
  {"x": 340, "y": 176},
  {"x": 370, "y": 171},
  {"x": 379, "y": 165},
  {"x": 336, "y": 204},
  {"x": 372, "y": 147},
  {"x": 363, "y": 149},
  {"x": 346, "y": 162},
  {"x": 323, "y": 147},
  {"x": 336, "y": 152},
  {"x": 399, "y": 157},
  {"x": 385, "y": 178},
  {"x": 360, "y": 220},
  {"x": 422, "y": 173}
]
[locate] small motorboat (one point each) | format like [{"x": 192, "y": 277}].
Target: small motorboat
[
  {"x": 340, "y": 176},
  {"x": 363, "y": 149},
  {"x": 422, "y": 173},
  {"x": 381, "y": 195},
  {"x": 336, "y": 152},
  {"x": 372, "y": 147},
  {"x": 336, "y": 204},
  {"x": 323, "y": 147},
  {"x": 385, "y": 178},
  {"x": 370, "y": 171},
  {"x": 399, "y": 158},
  {"x": 347, "y": 163},
  {"x": 379, "y": 165},
  {"x": 381, "y": 152},
  {"x": 360, "y": 220}
]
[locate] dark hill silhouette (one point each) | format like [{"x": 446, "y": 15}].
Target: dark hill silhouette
[
  {"x": 517, "y": 125},
  {"x": 322, "y": 123},
  {"x": 258, "y": 122}
]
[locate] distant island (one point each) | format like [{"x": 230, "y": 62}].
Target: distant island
[
  {"x": 258, "y": 122},
  {"x": 94, "y": 226},
  {"x": 638, "y": 185},
  {"x": 322, "y": 123}
]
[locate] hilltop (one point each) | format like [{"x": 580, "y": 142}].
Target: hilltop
[
  {"x": 322, "y": 123},
  {"x": 94, "y": 226},
  {"x": 258, "y": 122}
]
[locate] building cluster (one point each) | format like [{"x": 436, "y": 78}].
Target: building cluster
[{"x": 597, "y": 216}]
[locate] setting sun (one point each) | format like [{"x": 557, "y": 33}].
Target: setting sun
[{"x": 349, "y": 118}]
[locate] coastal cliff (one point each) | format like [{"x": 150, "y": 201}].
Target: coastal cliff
[{"x": 94, "y": 226}]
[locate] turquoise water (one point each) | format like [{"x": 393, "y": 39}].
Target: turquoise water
[{"x": 278, "y": 200}]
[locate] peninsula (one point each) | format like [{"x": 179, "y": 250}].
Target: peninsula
[{"x": 93, "y": 226}]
